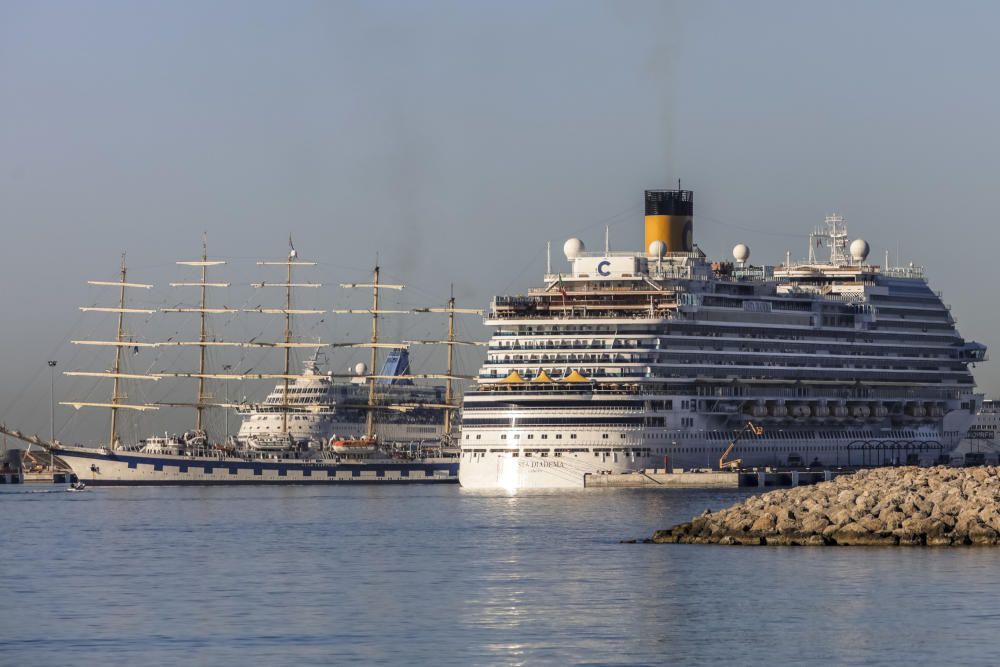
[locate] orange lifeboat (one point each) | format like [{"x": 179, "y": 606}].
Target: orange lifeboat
[{"x": 352, "y": 446}]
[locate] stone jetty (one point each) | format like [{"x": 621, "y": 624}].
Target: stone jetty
[{"x": 879, "y": 506}]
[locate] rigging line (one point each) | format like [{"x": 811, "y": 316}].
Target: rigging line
[
  {"x": 716, "y": 221},
  {"x": 631, "y": 210},
  {"x": 59, "y": 346},
  {"x": 527, "y": 265}
]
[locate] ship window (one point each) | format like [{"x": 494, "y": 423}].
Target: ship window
[
  {"x": 572, "y": 436},
  {"x": 258, "y": 471},
  {"x": 558, "y": 436},
  {"x": 233, "y": 470}
]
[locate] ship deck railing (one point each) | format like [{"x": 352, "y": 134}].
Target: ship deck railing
[{"x": 741, "y": 392}]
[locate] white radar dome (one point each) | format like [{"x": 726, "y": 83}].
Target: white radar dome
[
  {"x": 360, "y": 368},
  {"x": 859, "y": 250},
  {"x": 658, "y": 249},
  {"x": 741, "y": 252},
  {"x": 573, "y": 248}
]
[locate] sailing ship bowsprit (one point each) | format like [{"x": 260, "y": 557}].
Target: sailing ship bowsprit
[{"x": 314, "y": 427}]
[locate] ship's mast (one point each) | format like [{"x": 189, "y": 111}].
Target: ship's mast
[
  {"x": 450, "y": 342},
  {"x": 375, "y": 345},
  {"x": 288, "y": 311},
  {"x": 202, "y": 337},
  {"x": 448, "y": 390},
  {"x": 116, "y": 369},
  {"x": 118, "y": 343},
  {"x": 370, "y": 417},
  {"x": 288, "y": 338},
  {"x": 203, "y": 311}
]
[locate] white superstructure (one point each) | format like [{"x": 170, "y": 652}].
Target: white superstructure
[
  {"x": 631, "y": 360},
  {"x": 320, "y": 409}
]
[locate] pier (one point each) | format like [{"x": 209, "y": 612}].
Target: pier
[{"x": 713, "y": 479}]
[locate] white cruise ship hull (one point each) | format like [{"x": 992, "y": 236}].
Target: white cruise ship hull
[
  {"x": 504, "y": 471},
  {"x": 101, "y": 467},
  {"x": 498, "y": 466}
]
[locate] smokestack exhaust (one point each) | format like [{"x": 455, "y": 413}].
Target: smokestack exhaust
[{"x": 670, "y": 219}]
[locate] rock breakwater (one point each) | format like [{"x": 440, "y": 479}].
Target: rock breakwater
[{"x": 880, "y": 506}]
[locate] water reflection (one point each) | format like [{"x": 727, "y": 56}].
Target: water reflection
[{"x": 437, "y": 575}]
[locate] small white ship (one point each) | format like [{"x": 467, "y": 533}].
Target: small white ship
[
  {"x": 653, "y": 359},
  {"x": 366, "y": 427}
]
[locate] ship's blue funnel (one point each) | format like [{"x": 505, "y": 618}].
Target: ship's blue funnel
[{"x": 398, "y": 363}]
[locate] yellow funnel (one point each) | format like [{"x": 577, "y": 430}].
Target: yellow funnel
[{"x": 670, "y": 219}]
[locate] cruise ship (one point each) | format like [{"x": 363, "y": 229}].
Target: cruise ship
[
  {"x": 654, "y": 359},
  {"x": 326, "y": 409}
]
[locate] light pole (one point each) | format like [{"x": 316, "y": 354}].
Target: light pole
[{"x": 52, "y": 414}]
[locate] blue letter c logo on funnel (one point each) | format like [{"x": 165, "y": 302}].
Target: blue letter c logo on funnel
[{"x": 602, "y": 268}]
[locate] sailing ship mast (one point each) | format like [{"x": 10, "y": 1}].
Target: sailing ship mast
[
  {"x": 450, "y": 342},
  {"x": 448, "y": 391},
  {"x": 203, "y": 311},
  {"x": 375, "y": 286},
  {"x": 448, "y": 405},
  {"x": 288, "y": 311},
  {"x": 118, "y": 343},
  {"x": 286, "y": 344}
]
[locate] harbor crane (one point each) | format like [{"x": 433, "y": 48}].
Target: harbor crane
[{"x": 735, "y": 463}]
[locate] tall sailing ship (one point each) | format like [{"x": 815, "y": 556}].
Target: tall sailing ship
[
  {"x": 314, "y": 427},
  {"x": 653, "y": 359}
]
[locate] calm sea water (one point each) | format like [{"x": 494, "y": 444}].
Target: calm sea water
[{"x": 438, "y": 575}]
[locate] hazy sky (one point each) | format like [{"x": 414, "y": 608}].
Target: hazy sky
[{"x": 454, "y": 139}]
